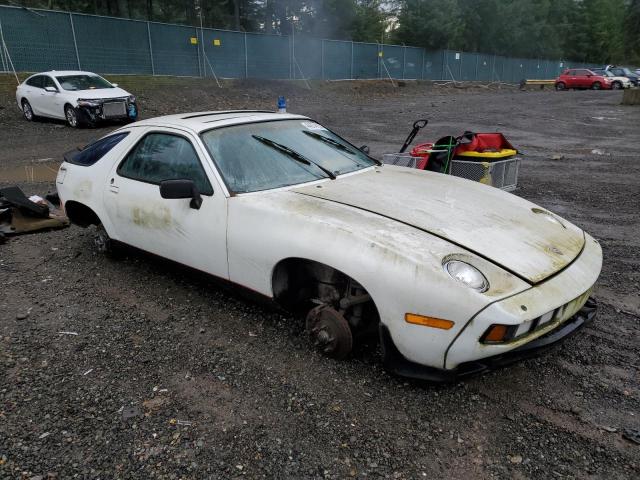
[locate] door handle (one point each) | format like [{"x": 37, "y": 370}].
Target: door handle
[{"x": 113, "y": 187}]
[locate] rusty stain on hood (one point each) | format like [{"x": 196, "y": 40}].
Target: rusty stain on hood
[{"x": 494, "y": 224}]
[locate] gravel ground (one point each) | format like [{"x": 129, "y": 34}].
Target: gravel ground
[{"x": 171, "y": 375}]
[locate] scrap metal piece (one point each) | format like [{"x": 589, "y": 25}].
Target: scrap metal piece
[
  {"x": 17, "y": 198},
  {"x": 21, "y": 223},
  {"x": 131, "y": 412},
  {"x": 632, "y": 434},
  {"x": 329, "y": 331}
]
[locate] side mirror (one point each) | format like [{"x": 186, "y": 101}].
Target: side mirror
[
  {"x": 172, "y": 189},
  {"x": 365, "y": 149},
  {"x": 114, "y": 84},
  {"x": 51, "y": 89}
]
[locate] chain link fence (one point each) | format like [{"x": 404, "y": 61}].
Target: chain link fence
[{"x": 38, "y": 40}]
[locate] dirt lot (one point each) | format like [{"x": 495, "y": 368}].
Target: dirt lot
[{"x": 223, "y": 387}]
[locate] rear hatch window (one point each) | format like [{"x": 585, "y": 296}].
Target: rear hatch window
[{"x": 94, "y": 151}]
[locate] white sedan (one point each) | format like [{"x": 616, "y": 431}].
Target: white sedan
[
  {"x": 80, "y": 98},
  {"x": 453, "y": 276}
]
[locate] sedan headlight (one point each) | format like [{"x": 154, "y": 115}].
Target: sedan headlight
[
  {"x": 467, "y": 274},
  {"x": 82, "y": 102}
]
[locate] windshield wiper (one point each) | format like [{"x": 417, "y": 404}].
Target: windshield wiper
[
  {"x": 338, "y": 145},
  {"x": 293, "y": 154},
  {"x": 329, "y": 141}
]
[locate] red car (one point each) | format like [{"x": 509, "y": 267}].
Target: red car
[{"x": 582, "y": 78}]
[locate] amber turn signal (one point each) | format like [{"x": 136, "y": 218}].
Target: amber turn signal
[
  {"x": 496, "y": 333},
  {"x": 428, "y": 321}
]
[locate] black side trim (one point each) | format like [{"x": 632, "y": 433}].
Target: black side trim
[
  {"x": 396, "y": 363},
  {"x": 224, "y": 112}
]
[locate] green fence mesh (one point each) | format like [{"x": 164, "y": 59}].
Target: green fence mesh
[{"x": 38, "y": 40}]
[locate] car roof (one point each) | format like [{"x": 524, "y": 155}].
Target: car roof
[
  {"x": 200, "y": 121},
  {"x": 66, "y": 72}
]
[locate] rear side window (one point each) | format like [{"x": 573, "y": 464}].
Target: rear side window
[
  {"x": 35, "y": 81},
  {"x": 94, "y": 151}
]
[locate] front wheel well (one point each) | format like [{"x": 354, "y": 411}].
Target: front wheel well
[
  {"x": 299, "y": 284},
  {"x": 80, "y": 214}
]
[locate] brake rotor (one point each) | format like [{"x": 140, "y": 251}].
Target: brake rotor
[{"x": 329, "y": 332}]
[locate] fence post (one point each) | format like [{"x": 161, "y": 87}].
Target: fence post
[
  {"x": 246, "y": 59},
  {"x": 75, "y": 43},
  {"x": 290, "y": 57},
  {"x": 477, "y": 61},
  {"x": 404, "y": 59},
  {"x": 351, "y": 75},
  {"x": 198, "y": 52},
  {"x": 5, "y": 68},
  {"x": 153, "y": 69},
  {"x": 322, "y": 59}
]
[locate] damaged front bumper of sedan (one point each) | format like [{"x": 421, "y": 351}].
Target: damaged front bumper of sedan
[{"x": 95, "y": 110}]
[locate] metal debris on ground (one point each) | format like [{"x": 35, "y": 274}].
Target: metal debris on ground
[
  {"x": 19, "y": 214},
  {"x": 632, "y": 434},
  {"x": 131, "y": 412}
]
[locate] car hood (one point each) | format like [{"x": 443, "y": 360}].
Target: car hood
[
  {"x": 622, "y": 79},
  {"x": 504, "y": 228},
  {"x": 101, "y": 93}
]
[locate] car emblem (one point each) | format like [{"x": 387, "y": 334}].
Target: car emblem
[{"x": 555, "y": 250}]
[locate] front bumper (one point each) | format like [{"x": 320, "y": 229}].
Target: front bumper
[
  {"x": 93, "y": 114},
  {"x": 396, "y": 363}
]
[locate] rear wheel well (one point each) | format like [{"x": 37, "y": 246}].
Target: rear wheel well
[
  {"x": 299, "y": 284},
  {"x": 80, "y": 214}
]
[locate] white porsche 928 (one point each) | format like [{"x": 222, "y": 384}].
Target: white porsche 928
[{"x": 453, "y": 276}]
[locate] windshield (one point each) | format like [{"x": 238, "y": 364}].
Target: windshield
[
  {"x": 83, "y": 82},
  {"x": 261, "y": 156}
]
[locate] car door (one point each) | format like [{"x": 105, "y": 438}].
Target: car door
[
  {"x": 581, "y": 79},
  {"x": 50, "y": 102},
  {"x": 571, "y": 79},
  {"x": 169, "y": 227},
  {"x": 33, "y": 92}
]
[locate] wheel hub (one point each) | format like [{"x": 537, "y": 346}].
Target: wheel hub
[
  {"x": 329, "y": 332},
  {"x": 101, "y": 242}
]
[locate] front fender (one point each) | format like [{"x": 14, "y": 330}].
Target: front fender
[{"x": 398, "y": 265}]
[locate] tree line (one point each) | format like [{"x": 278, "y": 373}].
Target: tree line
[{"x": 604, "y": 31}]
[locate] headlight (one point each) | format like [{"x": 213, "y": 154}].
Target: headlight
[
  {"x": 132, "y": 99},
  {"x": 88, "y": 103},
  {"x": 467, "y": 274}
]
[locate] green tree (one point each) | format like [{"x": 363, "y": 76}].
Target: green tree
[{"x": 431, "y": 24}]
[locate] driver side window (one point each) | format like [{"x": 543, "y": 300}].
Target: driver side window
[
  {"x": 164, "y": 156},
  {"x": 48, "y": 82}
]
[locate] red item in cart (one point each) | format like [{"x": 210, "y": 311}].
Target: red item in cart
[{"x": 422, "y": 151}]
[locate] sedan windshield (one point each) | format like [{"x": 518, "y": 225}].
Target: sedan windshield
[
  {"x": 83, "y": 82},
  {"x": 261, "y": 156}
]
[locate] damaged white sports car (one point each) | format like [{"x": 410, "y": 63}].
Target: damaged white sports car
[{"x": 453, "y": 276}]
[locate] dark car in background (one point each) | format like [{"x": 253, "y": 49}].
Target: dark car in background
[{"x": 624, "y": 72}]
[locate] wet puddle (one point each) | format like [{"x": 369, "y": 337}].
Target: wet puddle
[{"x": 35, "y": 172}]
